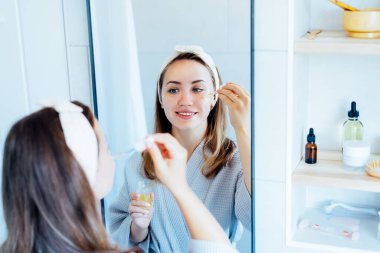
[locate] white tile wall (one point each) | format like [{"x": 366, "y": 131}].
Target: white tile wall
[
  {"x": 76, "y": 22},
  {"x": 162, "y": 24},
  {"x": 43, "y": 42},
  {"x": 331, "y": 91},
  {"x": 317, "y": 196},
  {"x": 270, "y": 216},
  {"x": 301, "y": 17},
  {"x": 270, "y": 115},
  {"x": 150, "y": 66},
  {"x": 271, "y": 21},
  {"x": 239, "y": 26},
  {"x": 234, "y": 67},
  {"x": 80, "y": 74}
]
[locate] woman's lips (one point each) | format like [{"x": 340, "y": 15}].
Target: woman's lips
[{"x": 185, "y": 115}]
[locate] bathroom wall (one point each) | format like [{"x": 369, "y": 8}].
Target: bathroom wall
[{"x": 44, "y": 52}]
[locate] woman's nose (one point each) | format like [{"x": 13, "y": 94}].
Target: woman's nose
[{"x": 186, "y": 98}]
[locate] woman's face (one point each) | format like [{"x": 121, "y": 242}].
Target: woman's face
[{"x": 186, "y": 97}]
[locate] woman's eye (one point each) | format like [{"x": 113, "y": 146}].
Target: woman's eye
[
  {"x": 198, "y": 89},
  {"x": 172, "y": 91}
]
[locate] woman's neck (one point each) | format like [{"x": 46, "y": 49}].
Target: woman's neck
[{"x": 188, "y": 140}]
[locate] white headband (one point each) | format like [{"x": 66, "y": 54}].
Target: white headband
[
  {"x": 201, "y": 54},
  {"x": 79, "y": 135}
]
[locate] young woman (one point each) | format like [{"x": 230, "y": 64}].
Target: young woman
[
  {"x": 189, "y": 105},
  {"x": 56, "y": 161}
]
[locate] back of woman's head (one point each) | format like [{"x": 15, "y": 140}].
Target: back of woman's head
[{"x": 48, "y": 203}]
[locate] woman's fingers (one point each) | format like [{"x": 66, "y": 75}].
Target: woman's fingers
[
  {"x": 138, "y": 209},
  {"x": 234, "y": 96},
  {"x": 156, "y": 154},
  {"x": 226, "y": 100},
  {"x": 139, "y": 203},
  {"x": 235, "y": 88},
  {"x": 169, "y": 159},
  {"x": 139, "y": 215},
  {"x": 167, "y": 140},
  {"x": 237, "y": 100},
  {"x": 235, "y": 92},
  {"x": 168, "y": 145},
  {"x": 228, "y": 94},
  {"x": 134, "y": 196}
]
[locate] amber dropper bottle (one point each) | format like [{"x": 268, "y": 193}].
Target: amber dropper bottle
[{"x": 311, "y": 148}]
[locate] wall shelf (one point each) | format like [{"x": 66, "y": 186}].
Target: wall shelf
[
  {"x": 336, "y": 42},
  {"x": 326, "y": 71},
  {"x": 329, "y": 172},
  {"x": 312, "y": 239}
]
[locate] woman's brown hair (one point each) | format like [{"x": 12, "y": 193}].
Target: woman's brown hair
[
  {"x": 217, "y": 149},
  {"x": 48, "y": 203}
]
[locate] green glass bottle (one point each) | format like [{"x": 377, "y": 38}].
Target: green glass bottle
[{"x": 353, "y": 127}]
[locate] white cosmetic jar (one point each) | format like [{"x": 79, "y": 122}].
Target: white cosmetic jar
[{"x": 356, "y": 154}]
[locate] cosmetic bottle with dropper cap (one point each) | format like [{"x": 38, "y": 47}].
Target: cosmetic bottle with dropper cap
[
  {"x": 353, "y": 127},
  {"x": 311, "y": 148}
]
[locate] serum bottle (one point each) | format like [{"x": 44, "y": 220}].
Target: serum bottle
[
  {"x": 144, "y": 192},
  {"x": 311, "y": 148},
  {"x": 353, "y": 127}
]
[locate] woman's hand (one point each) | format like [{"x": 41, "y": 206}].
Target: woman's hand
[
  {"x": 239, "y": 107},
  {"x": 141, "y": 211},
  {"x": 169, "y": 159},
  {"x": 238, "y": 102}
]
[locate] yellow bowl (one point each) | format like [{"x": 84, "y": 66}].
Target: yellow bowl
[{"x": 362, "y": 24}]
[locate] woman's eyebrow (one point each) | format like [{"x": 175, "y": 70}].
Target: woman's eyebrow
[
  {"x": 193, "y": 82},
  {"x": 198, "y": 81},
  {"x": 173, "y": 82}
]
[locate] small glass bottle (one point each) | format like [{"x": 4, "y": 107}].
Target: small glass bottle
[
  {"x": 353, "y": 127},
  {"x": 311, "y": 148},
  {"x": 144, "y": 192}
]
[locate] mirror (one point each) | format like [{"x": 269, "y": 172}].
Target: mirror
[{"x": 136, "y": 41}]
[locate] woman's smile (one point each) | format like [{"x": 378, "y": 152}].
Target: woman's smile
[{"x": 186, "y": 114}]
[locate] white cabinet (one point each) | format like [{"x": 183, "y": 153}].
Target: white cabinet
[{"x": 324, "y": 76}]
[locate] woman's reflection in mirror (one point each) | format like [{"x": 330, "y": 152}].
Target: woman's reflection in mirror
[{"x": 191, "y": 105}]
